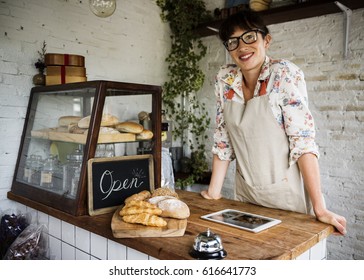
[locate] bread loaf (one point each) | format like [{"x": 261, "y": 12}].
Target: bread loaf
[
  {"x": 145, "y": 219},
  {"x": 106, "y": 120},
  {"x": 145, "y": 135},
  {"x": 129, "y": 127},
  {"x": 164, "y": 191},
  {"x": 174, "y": 208},
  {"x": 105, "y": 130},
  {"x": 156, "y": 199},
  {"x": 67, "y": 120}
]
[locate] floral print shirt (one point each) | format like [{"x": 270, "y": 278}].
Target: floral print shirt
[{"x": 284, "y": 82}]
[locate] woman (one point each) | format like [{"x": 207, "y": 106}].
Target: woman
[{"x": 263, "y": 122}]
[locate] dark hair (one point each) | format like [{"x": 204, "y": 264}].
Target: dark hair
[{"x": 245, "y": 19}]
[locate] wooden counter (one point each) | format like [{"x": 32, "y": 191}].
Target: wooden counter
[{"x": 296, "y": 234}]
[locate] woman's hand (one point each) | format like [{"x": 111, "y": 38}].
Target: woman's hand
[
  {"x": 219, "y": 169},
  {"x": 205, "y": 194},
  {"x": 339, "y": 222}
]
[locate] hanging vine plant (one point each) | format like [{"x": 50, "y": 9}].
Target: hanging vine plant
[{"x": 179, "y": 96}]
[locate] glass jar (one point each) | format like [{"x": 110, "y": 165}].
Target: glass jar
[
  {"x": 71, "y": 172},
  {"x": 35, "y": 169},
  {"x": 51, "y": 175},
  {"x": 27, "y": 168},
  {"x": 100, "y": 151},
  {"x": 46, "y": 174},
  {"x": 166, "y": 131},
  {"x": 74, "y": 181},
  {"x": 57, "y": 175},
  {"x": 109, "y": 150}
]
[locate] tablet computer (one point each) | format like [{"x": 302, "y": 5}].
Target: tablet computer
[{"x": 242, "y": 220}]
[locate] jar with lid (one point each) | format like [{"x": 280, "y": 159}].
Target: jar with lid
[
  {"x": 75, "y": 180},
  {"x": 27, "y": 168},
  {"x": 35, "y": 169},
  {"x": 70, "y": 168},
  {"x": 57, "y": 175},
  {"x": 166, "y": 131},
  {"x": 46, "y": 174},
  {"x": 51, "y": 174}
]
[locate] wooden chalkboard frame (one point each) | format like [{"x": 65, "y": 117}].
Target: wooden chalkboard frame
[{"x": 120, "y": 162}]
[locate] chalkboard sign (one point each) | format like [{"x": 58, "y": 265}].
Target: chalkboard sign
[{"x": 112, "y": 180}]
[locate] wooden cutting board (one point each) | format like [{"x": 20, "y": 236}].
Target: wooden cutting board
[{"x": 120, "y": 229}]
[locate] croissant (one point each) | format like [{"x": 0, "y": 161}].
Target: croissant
[
  {"x": 139, "y": 203},
  {"x": 137, "y": 210},
  {"x": 143, "y": 195},
  {"x": 145, "y": 219}
]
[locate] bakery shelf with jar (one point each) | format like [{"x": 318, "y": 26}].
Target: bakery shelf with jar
[{"x": 66, "y": 125}]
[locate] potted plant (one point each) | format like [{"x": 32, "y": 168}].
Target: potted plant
[
  {"x": 39, "y": 79},
  {"x": 180, "y": 92}
]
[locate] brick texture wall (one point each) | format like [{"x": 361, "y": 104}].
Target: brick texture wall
[
  {"x": 336, "y": 99},
  {"x": 131, "y": 46},
  {"x": 122, "y": 47}
]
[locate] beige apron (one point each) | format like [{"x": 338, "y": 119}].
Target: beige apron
[{"x": 263, "y": 175}]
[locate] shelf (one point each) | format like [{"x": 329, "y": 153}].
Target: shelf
[
  {"x": 58, "y": 134},
  {"x": 312, "y": 8}
]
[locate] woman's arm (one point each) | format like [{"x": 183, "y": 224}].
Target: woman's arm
[
  {"x": 309, "y": 168},
  {"x": 219, "y": 169}
]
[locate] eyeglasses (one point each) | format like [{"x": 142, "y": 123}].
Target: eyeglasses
[{"x": 248, "y": 37}]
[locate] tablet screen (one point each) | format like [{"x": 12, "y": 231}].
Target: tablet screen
[{"x": 242, "y": 220}]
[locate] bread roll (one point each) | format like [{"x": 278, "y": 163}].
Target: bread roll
[
  {"x": 73, "y": 128},
  {"x": 106, "y": 120},
  {"x": 84, "y": 122},
  {"x": 143, "y": 195},
  {"x": 259, "y": 5},
  {"x": 143, "y": 116},
  {"x": 156, "y": 199},
  {"x": 164, "y": 191},
  {"x": 145, "y": 135},
  {"x": 105, "y": 130},
  {"x": 130, "y": 127},
  {"x": 67, "y": 120},
  {"x": 174, "y": 208}
]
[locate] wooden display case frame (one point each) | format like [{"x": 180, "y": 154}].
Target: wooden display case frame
[{"x": 24, "y": 193}]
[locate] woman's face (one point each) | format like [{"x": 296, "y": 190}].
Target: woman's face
[{"x": 250, "y": 57}]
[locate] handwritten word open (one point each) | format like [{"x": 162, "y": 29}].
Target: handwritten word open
[{"x": 109, "y": 185}]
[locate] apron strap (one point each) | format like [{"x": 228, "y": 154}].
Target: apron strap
[{"x": 263, "y": 87}]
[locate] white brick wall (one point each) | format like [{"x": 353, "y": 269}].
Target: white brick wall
[
  {"x": 336, "y": 99},
  {"x": 131, "y": 46}
]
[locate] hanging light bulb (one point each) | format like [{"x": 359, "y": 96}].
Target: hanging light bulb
[{"x": 103, "y": 8}]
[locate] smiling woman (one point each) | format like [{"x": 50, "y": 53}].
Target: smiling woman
[{"x": 252, "y": 107}]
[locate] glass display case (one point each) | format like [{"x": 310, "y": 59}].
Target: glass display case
[{"x": 66, "y": 125}]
